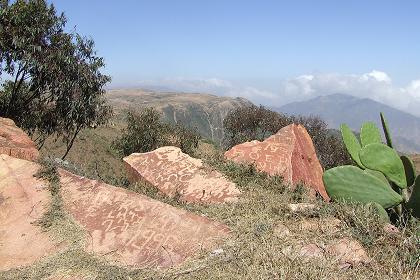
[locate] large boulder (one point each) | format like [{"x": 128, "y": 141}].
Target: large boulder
[
  {"x": 134, "y": 229},
  {"x": 289, "y": 153},
  {"x": 23, "y": 200},
  {"x": 176, "y": 173},
  {"x": 123, "y": 227},
  {"x": 14, "y": 142}
]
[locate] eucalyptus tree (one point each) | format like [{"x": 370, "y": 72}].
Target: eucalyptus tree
[{"x": 51, "y": 80}]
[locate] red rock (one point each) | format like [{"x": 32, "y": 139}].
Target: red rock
[
  {"x": 14, "y": 142},
  {"x": 289, "y": 153},
  {"x": 173, "y": 172},
  {"x": 23, "y": 200},
  {"x": 133, "y": 229},
  {"x": 347, "y": 252}
]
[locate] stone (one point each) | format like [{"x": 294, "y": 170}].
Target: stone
[
  {"x": 347, "y": 252},
  {"x": 281, "y": 231},
  {"x": 176, "y": 173},
  {"x": 133, "y": 229},
  {"x": 23, "y": 200},
  {"x": 301, "y": 207},
  {"x": 391, "y": 229},
  {"x": 289, "y": 153},
  {"x": 16, "y": 143}
]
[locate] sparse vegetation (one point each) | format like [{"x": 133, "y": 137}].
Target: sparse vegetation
[
  {"x": 146, "y": 131},
  {"x": 257, "y": 123}
]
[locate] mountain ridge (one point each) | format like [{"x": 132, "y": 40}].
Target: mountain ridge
[{"x": 341, "y": 108}]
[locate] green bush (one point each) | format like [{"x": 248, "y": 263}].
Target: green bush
[
  {"x": 257, "y": 123},
  {"x": 146, "y": 132}
]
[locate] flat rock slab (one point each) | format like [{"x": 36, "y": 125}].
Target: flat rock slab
[
  {"x": 133, "y": 229},
  {"x": 289, "y": 153},
  {"x": 173, "y": 172},
  {"x": 14, "y": 142},
  {"x": 23, "y": 200}
]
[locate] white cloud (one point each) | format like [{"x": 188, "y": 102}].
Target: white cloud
[{"x": 376, "y": 85}]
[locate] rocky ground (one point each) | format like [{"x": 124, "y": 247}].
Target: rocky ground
[{"x": 69, "y": 222}]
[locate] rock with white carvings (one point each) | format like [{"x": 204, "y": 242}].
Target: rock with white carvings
[
  {"x": 14, "y": 142},
  {"x": 133, "y": 229},
  {"x": 289, "y": 153},
  {"x": 176, "y": 173}
]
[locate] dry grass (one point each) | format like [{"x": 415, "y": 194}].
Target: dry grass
[{"x": 255, "y": 249}]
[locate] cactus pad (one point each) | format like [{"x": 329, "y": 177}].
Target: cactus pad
[
  {"x": 382, "y": 158},
  {"x": 386, "y": 131},
  {"x": 410, "y": 171},
  {"x": 414, "y": 201},
  {"x": 352, "y": 144},
  {"x": 353, "y": 184},
  {"x": 369, "y": 134}
]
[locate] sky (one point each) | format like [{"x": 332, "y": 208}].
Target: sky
[{"x": 272, "y": 52}]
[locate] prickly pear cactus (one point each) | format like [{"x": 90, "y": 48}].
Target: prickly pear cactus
[
  {"x": 376, "y": 207},
  {"x": 386, "y": 131},
  {"x": 352, "y": 144},
  {"x": 353, "y": 184},
  {"x": 369, "y": 133},
  {"x": 410, "y": 170},
  {"x": 382, "y": 158},
  {"x": 414, "y": 202}
]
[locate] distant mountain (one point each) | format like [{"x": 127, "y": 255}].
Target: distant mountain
[
  {"x": 206, "y": 112},
  {"x": 340, "y": 108}
]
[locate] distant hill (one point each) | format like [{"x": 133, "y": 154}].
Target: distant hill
[
  {"x": 206, "y": 112},
  {"x": 340, "y": 108}
]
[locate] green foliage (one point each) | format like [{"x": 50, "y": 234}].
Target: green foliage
[
  {"x": 379, "y": 210},
  {"x": 146, "y": 132},
  {"x": 352, "y": 144},
  {"x": 353, "y": 184},
  {"x": 369, "y": 134},
  {"x": 387, "y": 179},
  {"x": 257, "y": 123},
  {"x": 386, "y": 130},
  {"x": 52, "y": 84},
  {"x": 382, "y": 158}
]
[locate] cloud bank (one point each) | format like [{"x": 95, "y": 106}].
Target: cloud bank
[{"x": 376, "y": 85}]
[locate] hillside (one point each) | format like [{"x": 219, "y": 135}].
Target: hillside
[
  {"x": 203, "y": 111},
  {"x": 339, "y": 108}
]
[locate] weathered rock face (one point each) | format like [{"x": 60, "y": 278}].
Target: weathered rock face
[
  {"x": 289, "y": 153},
  {"x": 173, "y": 172},
  {"x": 14, "y": 142},
  {"x": 133, "y": 229},
  {"x": 23, "y": 200}
]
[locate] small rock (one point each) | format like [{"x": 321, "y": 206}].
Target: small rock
[
  {"x": 281, "y": 231},
  {"x": 311, "y": 251},
  {"x": 347, "y": 252},
  {"x": 300, "y": 207},
  {"x": 391, "y": 229}
]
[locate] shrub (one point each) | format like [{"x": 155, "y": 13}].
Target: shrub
[
  {"x": 257, "y": 123},
  {"x": 146, "y": 132}
]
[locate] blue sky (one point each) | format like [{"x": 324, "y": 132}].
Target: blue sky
[{"x": 259, "y": 46}]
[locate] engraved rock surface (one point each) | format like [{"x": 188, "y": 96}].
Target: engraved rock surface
[
  {"x": 14, "y": 142},
  {"x": 23, "y": 200},
  {"x": 289, "y": 153},
  {"x": 133, "y": 229},
  {"x": 173, "y": 172}
]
